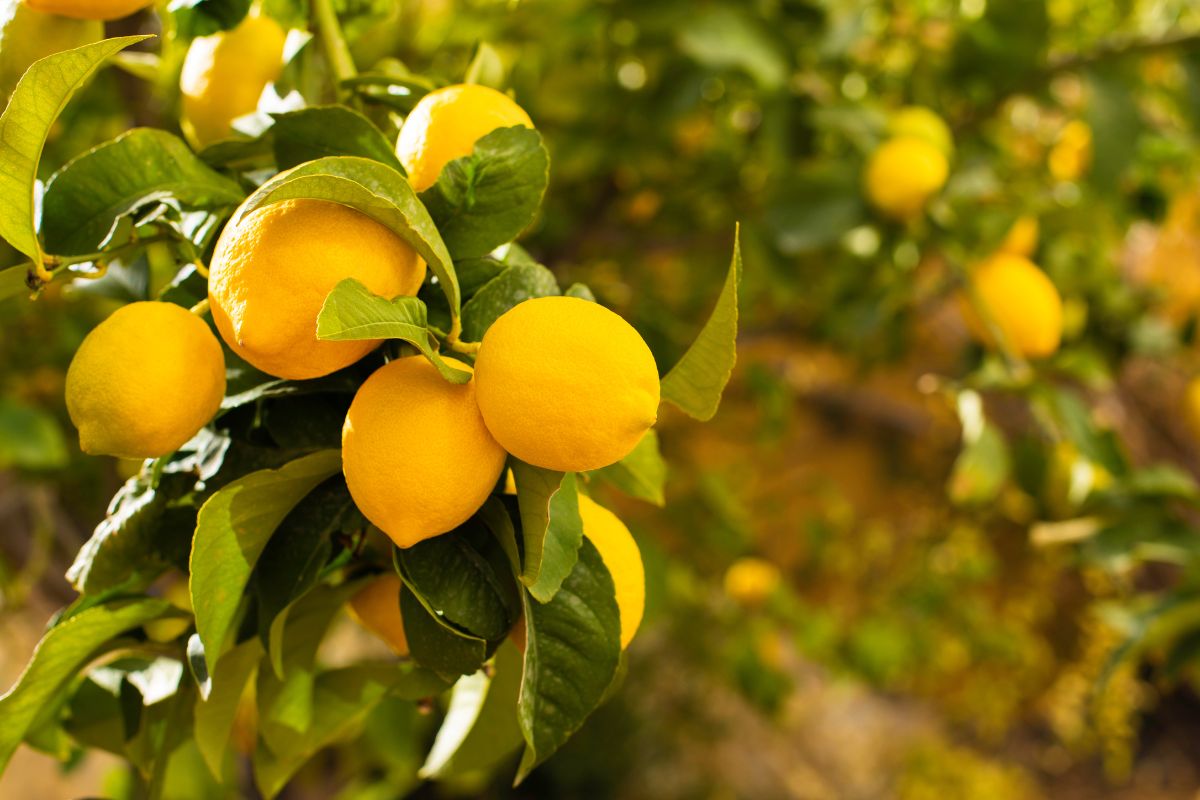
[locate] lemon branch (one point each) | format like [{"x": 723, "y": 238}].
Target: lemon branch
[
  {"x": 334, "y": 42},
  {"x": 51, "y": 266}
]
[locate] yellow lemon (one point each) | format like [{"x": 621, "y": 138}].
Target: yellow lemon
[
  {"x": 623, "y": 560},
  {"x": 922, "y": 123},
  {"x": 144, "y": 381},
  {"x": 1022, "y": 237},
  {"x": 1072, "y": 153},
  {"x": 225, "y": 73},
  {"x": 1022, "y": 301},
  {"x": 903, "y": 173},
  {"x": 750, "y": 581},
  {"x": 445, "y": 125},
  {"x": 376, "y": 607},
  {"x": 417, "y": 457},
  {"x": 89, "y": 9},
  {"x": 566, "y": 384},
  {"x": 273, "y": 268},
  {"x": 27, "y": 36}
]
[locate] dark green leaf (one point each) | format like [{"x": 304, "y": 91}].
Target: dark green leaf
[
  {"x": 434, "y": 645},
  {"x": 550, "y": 524},
  {"x": 320, "y": 131},
  {"x": 517, "y": 283}
]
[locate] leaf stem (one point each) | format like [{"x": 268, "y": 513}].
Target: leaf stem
[
  {"x": 456, "y": 344},
  {"x": 334, "y": 43}
]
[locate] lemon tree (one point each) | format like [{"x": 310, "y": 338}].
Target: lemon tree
[{"x": 351, "y": 392}]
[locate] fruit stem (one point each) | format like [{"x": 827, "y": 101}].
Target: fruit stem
[
  {"x": 457, "y": 345},
  {"x": 334, "y": 43},
  {"x": 201, "y": 308}
]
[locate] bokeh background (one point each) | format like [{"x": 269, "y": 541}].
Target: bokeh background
[{"x": 924, "y": 619}]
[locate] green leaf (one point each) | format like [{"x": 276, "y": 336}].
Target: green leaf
[
  {"x": 516, "y": 284},
  {"x": 815, "y": 208},
  {"x": 436, "y": 646},
  {"x": 61, "y": 653},
  {"x": 723, "y": 37},
  {"x": 480, "y": 728},
  {"x": 13, "y": 281},
  {"x": 84, "y": 199},
  {"x": 486, "y": 67},
  {"x": 378, "y": 191},
  {"x": 642, "y": 473},
  {"x": 352, "y": 312},
  {"x": 214, "y": 716},
  {"x": 231, "y": 532},
  {"x": 30, "y": 438},
  {"x": 465, "y": 579},
  {"x": 550, "y": 524},
  {"x": 571, "y": 656},
  {"x": 981, "y": 469},
  {"x": 320, "y": 131},
  {"x": 486, "y": 199},
  {"x": 39, "y": 98},
  {"x": 695, "y": 384}
]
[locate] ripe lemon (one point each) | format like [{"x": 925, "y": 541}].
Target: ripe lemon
[
  {"x": 417, "y": 457},
  {"x": 1022, "y": 301},
  {"x": 225, "y": 73},
  {"x": 903, "y": 173},
  {"x": 566, "y": 384},
  {"x": 922, "y": 123},
  {"x": 27, "y": 36},
  {"x": 273, "y": 268},
  {"x": 750, "y": 581},
  {"x": 89, "y": 9},
  {"x": 376, "y": 607},
  {"x": 144, "y": 381},
  {"x": 1072, "y": 153},
  {"x": 1022, "y": 237},
  {"x": 623, "y": 560},
  {"x": 445, "y": 125}
]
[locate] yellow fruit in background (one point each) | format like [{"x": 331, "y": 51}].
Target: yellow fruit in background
[
  {"x": 377, "y": 608},
  {"x": 445, "y": 125},
  {"x": 1072, "y": 153},
  {"x": 224, "y": 75},
  {"x": 417, "y": 457},
  {"x": 273, "y": 268},
  {"x": 169, "y": 629},
  {"x": 1022, "y": 237},
  {"x": 750, "y": 581},
  {"x": 89, "y": 9},
  {"x": 1022, "y": 301},
  {"x": 903, "y": 174},
  {"x": 144, "y": 381},
  {"x": 623, "y": 560},
  {"x": 27, "y": 36},
  {"x": 566, "y": 384},
  {"x": 920, "y": 122}
]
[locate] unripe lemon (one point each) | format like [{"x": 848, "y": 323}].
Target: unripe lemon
[
  {"x": 1022, "y": 237},
  {"x": 445, "y": 125},
  {"x": 750, "y": 581},
  {"x": 621, "y": 558},
  {"x": 1022, "y": 301},
  {"x": 27, "y": 36},
  {"x": 144, "y": 381},
  {"x": 273, "y": 268},
  {"x": 224, "y": 75},
  {"x": 376, "y": 607},
  {"x": 922, "y": 123},
  {"x": 89, "y": 9},
  {"x": 417, "y": 457},
  {"x": 566, "y": 384},
  {"x": 903, "y": 173}
]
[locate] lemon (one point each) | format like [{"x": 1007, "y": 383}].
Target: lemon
[
  {"x": 89, "y": 9},
  {"x": 445, "y": 125},
  {"x": 27, "y": 36},
  {"x": 273, "y": 268},
  {"x": 1022, "y": 237},
  {"x": 1072, "y": 152},
  {"x": 903, "y": 174},
  {"x": 417, "y": 457},
  {"x": 224, "y": 75},
  {"x": 376, "y": 607},
  {"x": 923, "y": 123},
  {"x": 621, "y": 558},
  {"x": 566, "y": 384},
  {"x": 1022, "y": 301},
  {"x": 144, "y": 381},
  {"x": 750, "y": 581}
]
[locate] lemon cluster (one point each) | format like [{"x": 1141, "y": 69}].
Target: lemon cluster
[{"x": 911, "y": 166}]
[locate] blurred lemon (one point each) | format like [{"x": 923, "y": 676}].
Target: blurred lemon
[
  {"x": 144, "y": 381},
  {"x": 1072, "y": 152},
  {"x": 903, "y": 174},
  {"x": 417, "y": 457},
  {"x": 566, "y": 384},
  {"x": 1022, "y": 301},
  {"x": 1022, "y": 237},
  {"x": 224, "y": 75},
  {"x": 623, "y": 560},
  {"x": 377, "y": 608},
  {"x": 750, "y": 581},
  {"x": 273, "y": 268},
  {"x": 27, "y": 36},
  {"x": 89, "y": 9},
  {"x": 445, "y": 125},
  {"x": 920, "y": 122}
]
